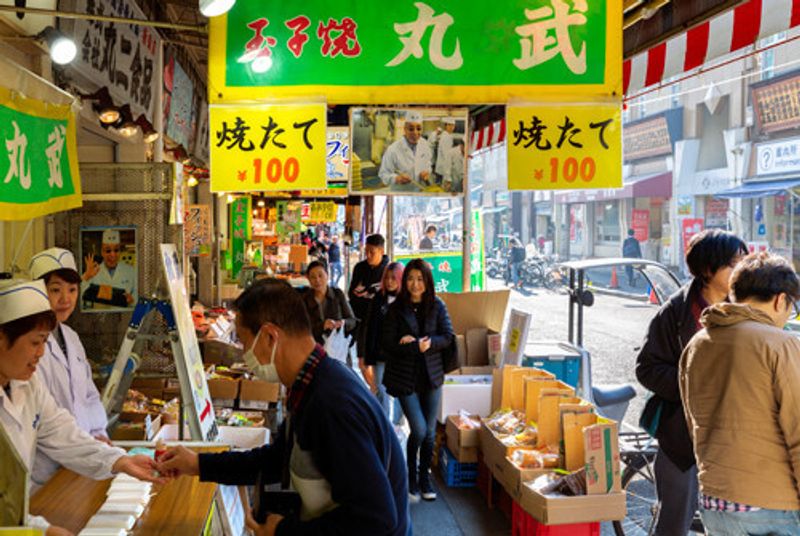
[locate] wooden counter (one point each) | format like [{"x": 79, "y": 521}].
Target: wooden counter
[{"x": 180, "y": 507}]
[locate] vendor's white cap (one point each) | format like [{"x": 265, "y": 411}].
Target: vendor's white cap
[
  {"x": 413, "y": 117},
  {"x": 111, "y": 236},
  {"x": 19, "y": 299},
  {"x": 449, "y": 120},
  {"x": 51, "y": 259}
]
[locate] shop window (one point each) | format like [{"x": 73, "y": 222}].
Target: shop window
[
  {"x": 414, "y": 215},
  {"x": 607, "y": 227}
]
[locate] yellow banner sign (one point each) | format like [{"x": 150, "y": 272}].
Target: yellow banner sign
[
  {"x": 564, "y": 146},
  {"x": 323, "y": 212},
  {"x": 267, "y": 147}
]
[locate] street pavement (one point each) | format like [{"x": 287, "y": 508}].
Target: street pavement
[{"x": 614, "y": 328}]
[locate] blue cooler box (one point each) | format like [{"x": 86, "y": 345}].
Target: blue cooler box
[{"x": 558, "y": 358}]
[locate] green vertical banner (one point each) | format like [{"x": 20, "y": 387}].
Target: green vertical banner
[
  {"x": 477, "y": 253},
  {"x": 240, "y": 232},
  {"x": 446, "y": 266}
]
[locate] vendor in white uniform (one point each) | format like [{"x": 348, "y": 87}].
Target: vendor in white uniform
[
  {"x": 406, "y": 164},
  {"x": 64, "y": 368},
  {"x": 111, "y": 272},
  {"x": 29, "y": 416}
]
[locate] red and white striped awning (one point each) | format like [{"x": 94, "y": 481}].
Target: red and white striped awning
[
  {"x": 489, "y": 135},
  {"x": 725, "y": 33}
]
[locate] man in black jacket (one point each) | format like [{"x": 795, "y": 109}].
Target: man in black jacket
[
  {"x": 366, "y": 282},
  {"x": 345, "y": 460},
  {"x": 631, "y": 249}
]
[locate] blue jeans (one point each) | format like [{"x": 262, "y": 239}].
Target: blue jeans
[
  {"x": 420, "y": 409},
  {"x": 336, "y": 273},
  {"x": 390, "y": 405},
  {"x": 515, "y": 266},
  {"x": 758, "y": 523}
]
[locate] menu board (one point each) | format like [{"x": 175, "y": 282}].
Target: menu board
[{"x": 777, "y": 104}]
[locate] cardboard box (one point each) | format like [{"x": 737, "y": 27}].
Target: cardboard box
[
  {"x": 139, "y": 431},
  {"x": 461, "y": 350},
  {"x": 601, "y": 446},
  {"x": 514, "y": 478},
  {"x": 257, "y": 394},
  {"x": 476, "y": 316},
  {"x": 477, "y": 347},
  {"x": 463, "y": 444},
  {"x": 135, "y": 416},
  {"x": 468, "y": 389},
  {"x": 494, "y": 452},
  {"x": 559, "y": 510},
  {"x": 224, "y": 391},
  {"x": 494, "y": 347}
]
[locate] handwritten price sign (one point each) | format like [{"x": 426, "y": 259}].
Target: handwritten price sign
[
  {"x": 267, "y": 147},
  {"x": 564, "y": 146}
]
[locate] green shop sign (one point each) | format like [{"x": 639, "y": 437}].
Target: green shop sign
[
  {"x": 432, "y": 51},
  {"x": 447, "y": 267},
  {"x": 477, "y": 255},
  {"x": 39, "y": 168},
  {"x": 241, "y": 224}
]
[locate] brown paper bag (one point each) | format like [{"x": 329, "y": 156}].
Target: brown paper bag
[
  {"x": 549, "y": 423},
  {"x": 533, "y": 386},
  {"x": 517, "y": 388},
  {"x": 574, "y": 419}
]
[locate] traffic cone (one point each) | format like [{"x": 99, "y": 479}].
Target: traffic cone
[
  {"x": 653, "y": 297},
  {"x": 614, "y": 281}
]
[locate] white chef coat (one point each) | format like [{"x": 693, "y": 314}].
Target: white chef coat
[
  {"x": 124, "y": 277},
  {"x": 69, "y": 380},
  {"x": 456, "y": 170},
  {"x": 401, "y": 158},
  {"x": 443, "y": 153},
  {"x": 32, "y": 420}
]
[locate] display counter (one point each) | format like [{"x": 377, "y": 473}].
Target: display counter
[{"x": 182, "y": 506}]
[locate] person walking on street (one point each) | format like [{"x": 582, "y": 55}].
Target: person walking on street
[
  {"x": 365, "y": 283},
  {"x": 631, "y": 249},
  {"x": 739, "y": 382},
  {"x": 516, "y": 258},
  {"x": 335, "y": 260},
  {"x": 711, "y": 257},
  {"x": 420, "y": 345},
  {"x": 327, "y": 307}
]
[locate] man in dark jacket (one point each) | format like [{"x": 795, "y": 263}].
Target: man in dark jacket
[
  {"x": 345, "y": 460},
  {"x": 631, "y": 249},
  {"x": 335, "y": 260},
  {"x": 366, "y": 282},
  {"x": 427, "y": 241},
  {"x": 710, "y": 257}
]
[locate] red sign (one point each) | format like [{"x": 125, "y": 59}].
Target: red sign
[
  {"x": 641, "y": 224},
  {"x": 690, "y": 227}
]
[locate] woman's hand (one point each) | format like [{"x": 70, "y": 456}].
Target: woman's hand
[
  {"x": 408, "y": 339},
  {"x": 424, "y": 344},
  {"x": 329, "y": 324}
]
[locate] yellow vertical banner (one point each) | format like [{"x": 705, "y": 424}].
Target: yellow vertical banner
[
  {"x": 267, "y": 147},
  {"x": 564, "y": 146}
]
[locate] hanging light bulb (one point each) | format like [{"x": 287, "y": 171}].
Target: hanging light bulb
[
  {"x": 215, "y": 8},
  {"x": 262, "y": 204},
  {"x": 62, "y": 48},
  {"x": 230, "y": 198},
  {"x": 192, "y": 182}
]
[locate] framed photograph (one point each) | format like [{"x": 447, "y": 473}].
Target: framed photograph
[
  {"x": 408, "y": 151},
  {"x": 108, "y": 263}
]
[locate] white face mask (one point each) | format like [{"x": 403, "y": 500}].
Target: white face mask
[{"x": 267, "y": 372}]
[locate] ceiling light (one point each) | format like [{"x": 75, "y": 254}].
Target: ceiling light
[
  {"x": 215, "y": 8},
  {"x": 262, "y": 203},
  {"x": 149, "y": 134},
  {"x": 125, "y": 124},
  {"x": 192, "y": 182},
  {"x": 104, "y": 107},
  {"x": 62, "y": 48},
  {"x": 108, "y": 114}
]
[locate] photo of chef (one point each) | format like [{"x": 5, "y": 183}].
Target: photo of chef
[
  {"x": 108, "y": 258},
  {"x": 408, "y": 151}
]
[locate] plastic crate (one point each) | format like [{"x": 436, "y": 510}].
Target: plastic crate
[
  {"x": 523, "y": 524},
  {"x": 456, "y": 474},
  {"x": 566, "y": 368}
]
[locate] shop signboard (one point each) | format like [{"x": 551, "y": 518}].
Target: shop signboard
[
  {"x": 689, "y": 228},
  {"x": 337, "y": 163},
  {"x": 778, "y": 157},
  {"x": 267, "y": 147},
  {"x": 323, "y": 212},
  {"x": 414, "y": 51},
  {"x": 385, "y": 163},
  {"x": 717, "y": 213},
  {"x": 197, "y": 230},
  {"x": 477, "y": 253},
  {"x": 446, "y": 266},
  {"x": 40, "y": 168},
  {"x": 777, "y": 103},
  {"x": 641, "y": 224},
  {"x": 565, "y": 146},
  {"x": 241, "y": 215},
  {"x": 121, "y": 57},
  {"x": 289, "y": 219}
]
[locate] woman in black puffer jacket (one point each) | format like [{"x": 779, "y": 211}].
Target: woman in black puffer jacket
[{"x": 419, "y": 341}]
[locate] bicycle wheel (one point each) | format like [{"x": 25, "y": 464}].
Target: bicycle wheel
[{"x": 638, "y": 481}]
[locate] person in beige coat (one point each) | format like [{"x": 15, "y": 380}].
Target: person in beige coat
[{"x": 740, "y": 386}]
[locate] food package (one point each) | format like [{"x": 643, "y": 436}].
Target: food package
[
  {"x": 570, "y": 485},
  {"x": 506, "y": 422},
  {"x": 534, "y": 459},
  {"x": 534, "y": 386},
  {"x": 464, "y": 421},
  {"x": 549, "y": 416}
]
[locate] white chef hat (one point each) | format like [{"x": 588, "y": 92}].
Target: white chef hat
[
  {"x": 19, "y": 299},
  {"x": 449, "y": 120},
  {"x": 413, "y": 117},
  {"x": 111, "y": 236},
  {"x": 51, "y": 259}
]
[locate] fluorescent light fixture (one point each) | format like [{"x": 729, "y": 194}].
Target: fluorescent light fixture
[{"x": 215, "y": 8}]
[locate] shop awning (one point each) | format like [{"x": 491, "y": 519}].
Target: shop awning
[
  {"x": 760, "y": 188},
  {"x": 493, "y": 210},
  {"x": 653, "y": 185}
]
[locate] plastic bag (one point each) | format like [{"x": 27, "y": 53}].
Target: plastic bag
[{"x": 337, "y": 345}]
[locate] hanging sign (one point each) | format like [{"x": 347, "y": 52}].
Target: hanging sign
[
  {"x": 197, "y": 230},
  {"x": 240, "y": 232},
  {"x": 640, "y": 223},
  {"x": 267, "y": 148},
  {"x": 338, "y": 154},
  {"x": 323, "y": 212},
  {"x": 446, "y": 267},
  {"x": 39, "y": 173},
  {"x": 436, "y": 52},
  {"x": 564, "y": 146}
]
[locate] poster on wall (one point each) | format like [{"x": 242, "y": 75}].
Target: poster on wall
[
  {"x": 717, "y": 213},
  {"x": 689, "y": 228},
  {"x": 337, "y": 163},
  {"x": 178, "y": 104},
  {"x": 109, "y": 268},
  {"x": 408, "y": 150},
  {"x": 640, "y": 224},
  {"x": 197, "y": 230}
]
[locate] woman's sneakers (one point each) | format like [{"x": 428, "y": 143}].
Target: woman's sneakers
[
  {"x": 413, "y": 489},
  {"x": 426, "y": 487}
]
